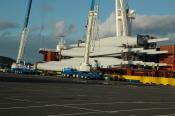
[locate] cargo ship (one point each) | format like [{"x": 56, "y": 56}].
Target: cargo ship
[{"x": 139, "y": 57}]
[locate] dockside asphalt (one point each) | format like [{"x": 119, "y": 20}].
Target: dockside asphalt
[{"x": 69, "y": 98}]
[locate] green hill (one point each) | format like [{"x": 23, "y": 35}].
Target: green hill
[{"x": 6, "y": 61}]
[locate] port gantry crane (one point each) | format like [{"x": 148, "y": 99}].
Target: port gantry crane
[{"x": 20, "y": 63}]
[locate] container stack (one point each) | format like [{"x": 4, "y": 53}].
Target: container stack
[{"x": 169, "y": 58}]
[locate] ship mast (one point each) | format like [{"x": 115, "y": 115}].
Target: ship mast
[
  {"x": 85, "y": 66},
  {"x": 23, "y": 35}
]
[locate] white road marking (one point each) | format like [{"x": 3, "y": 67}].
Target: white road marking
[
  {"x": 132, "y": 115},
  {"x": 96, "y": 103},
  {"x": 166, "y": 115},
  {"x": 9, "y": 103},
  {"x": 132, "y": 102},
  {"x": 83, "y": 108},
  {"x": 143, "y": 109},
  {"x": 22, "y": 100},
  {"x": 82, "y": 95},
  {"x": 28, "y": 107},
  {"x": 75, "y": 114},
  {"x": 23, "y": 89},
  {"x": 48, "y": 105},
  {"x": 116, "y": 111}
]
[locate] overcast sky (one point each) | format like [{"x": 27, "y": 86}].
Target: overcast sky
[{"x": 52, "y": 18}]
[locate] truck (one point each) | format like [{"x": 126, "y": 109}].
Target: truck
[
  {"x": 22, "y": 68},
  {"x": 73, "y": 73}
]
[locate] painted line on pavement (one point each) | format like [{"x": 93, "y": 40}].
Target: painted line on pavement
[
  {"x": 116, "y": 111},
  {"x": 22, "y": 100}
]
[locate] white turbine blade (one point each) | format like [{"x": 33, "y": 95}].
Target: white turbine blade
[{"x": 157, "y": 40}]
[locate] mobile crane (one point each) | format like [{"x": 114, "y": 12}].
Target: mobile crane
[
  {"x": 19, "y": 66},
  {"x": 85, "y": 66},
  {"x": 84, "y": 71}
]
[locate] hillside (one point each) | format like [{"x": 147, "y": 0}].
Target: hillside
[{"x": 6, "y": 61}]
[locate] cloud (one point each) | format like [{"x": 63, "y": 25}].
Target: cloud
[
  {"x": 107, "y": 28},
  {"x": 9, "y": 44},
  {"x": 36, "y": 28},
  {"x": 37, "y": 38},
  {"x": 143, "y": 24},
  {"x": 71, "y": 29},
  {"x": 61, "y": 30},
  {"x": 4, "y": 25},
  {"x": 156, "y": 25}
]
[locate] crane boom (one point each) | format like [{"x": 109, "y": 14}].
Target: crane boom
[
  {"x": 85, "y": 66},
  {"x": 23, "y": 35},
  {"x": 92, "y": 5},
  {"x": 28, "y": 14}
]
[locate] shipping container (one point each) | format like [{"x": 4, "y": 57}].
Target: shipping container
[
  {"x": 169, "y": 48},
  {"x": 169, "y": 59}
]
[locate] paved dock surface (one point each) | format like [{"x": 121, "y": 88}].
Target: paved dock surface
[{"x": 71, "y": 99}]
